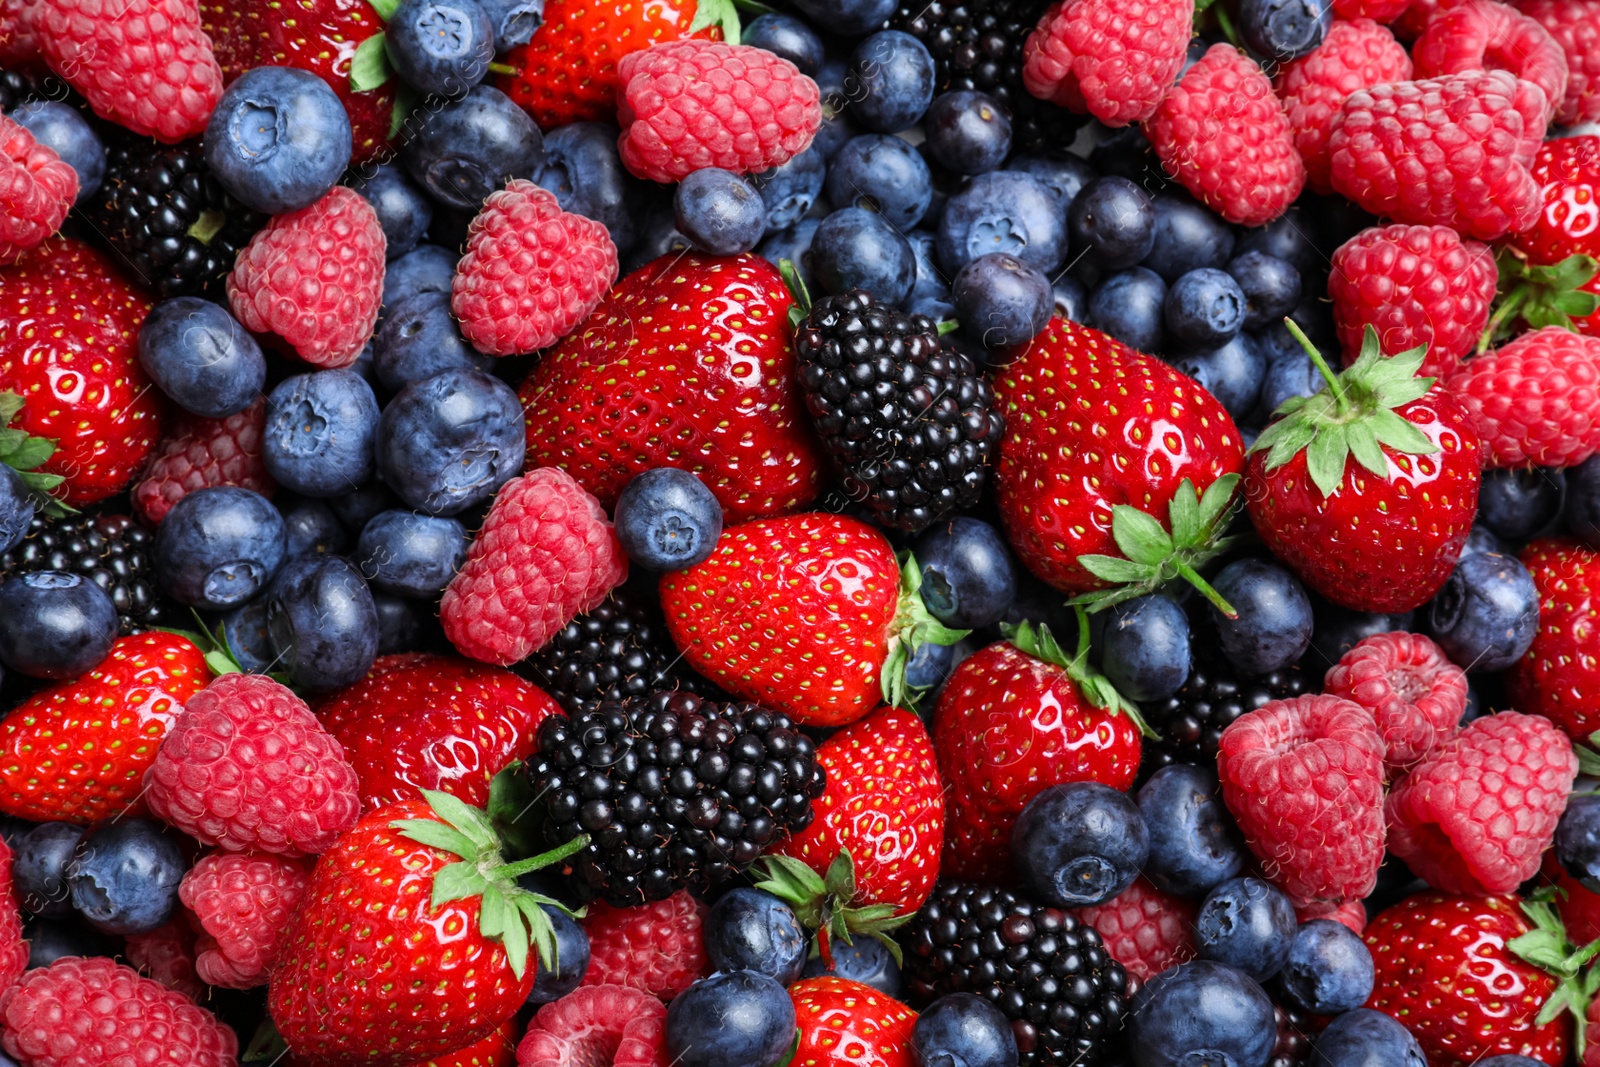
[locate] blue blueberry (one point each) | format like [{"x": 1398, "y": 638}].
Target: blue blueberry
[
  {"x": 1283, "y": 30},
  {"x": 1329, "y": 969},
  {"x": 1079, "y": 844},
  {"x": 125, "y": 877},
  {"x": 968, "y": 578},
  {"x": 514, "y": 21},
  {"x": 1271, "y": 287},
  {"x": 53, "y": 939},
  {"x": 1248, "y": 924},
  {"x": 40, "y": 859},
  {"x": 1339, "y": 629},
  {"x": 310, "y": 526},
  {"x": 219, "y": 547},
  {"x": 411, "y": 555},
  {"x": 719, "y": 212},
  {"x": 858, "y": 249},
  {"x": 248, "y": 638},
  {"x": 450, "y": 441},
  {"x": 1205, "y": 308},
  {"x": 1290, "y": 375},
  {"x": 865, "y": 960},
  {"x": 1366, "y": 1038},
  {"x": 323, "y": 623},
  {"x": 472, "y": 146},
  {"x": 1188, "y": 236},
  {"x": 929, "y": 666},
  {"x": 658, "y": 236},
  {"x": 1129, "y": 305},
  {"x": 1516, "y": 503},
  {"x": 881, "y": 172},
  {"x": 1071, "y": 299},
  {"x": 582, "y": 168},
  {"x": 838, "y": 126},
  {"x": 1063, "y": 175},
  {"x": 61, "y": 128},
  {"x": 419, "y": 338},
  {"x": 16, "y": 508},
  {"x": 848, "y": 18},
  {"x": 931, "y": 288},
  {"x": 791, "y": 190},
  {"x": 319, "y": 434},
  {"x": 786, "y": 36},
  {"x": 1487, "y": 614},
  {"x": 200, "y": 357},
  {"x": 404, "y": 211},
  {"x": 1509, "y": 1060},
  {"x": 1275, "y": 623},
  {"x": 1198, "y": 1013},
  {"x": 400, "y": 622},
  {"x": 572, "y": 959},
  {"x": 667, "y": 520},
  {"x": 425, "y": 269},
  {"x": 1001, "y": 301},
  {"x": 1113, "y": 220},
  {"x": 1194, "y": 844},
  {"x": 750, "y": 930},
  {"x": 891, "y": 81},
  {"x": 793, "y": 244},
  {"x": 54, "y": 624},
  {"x": 278, "y": 140},
  {"x": 441, "y": 47},
  {"x": 1583, "y": 501},
  {"x": 963, "y": 1030},
  {"x": 739, "y": 1017},
  {"x": 357, "y": 507},
  {"x": 1482, "y": 539},
  {"x": 1233, "y": 372},
  {"x": 1126, "y": 152},
  {"x": 1291, "y": 236},
  {"x": 968, "y": 132},
  {"x": 1145, "y": 648},
  {"x": 1003, "y": 212}
]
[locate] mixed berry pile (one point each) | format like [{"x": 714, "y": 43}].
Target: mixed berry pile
[{"x": 943, "y": 533}]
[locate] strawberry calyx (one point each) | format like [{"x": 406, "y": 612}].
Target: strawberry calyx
[
  {"x": 1548, "y": 948},
  {"x": 1540, "y": 295},
  {"x": 1097, "y": 689},
  {"x": 719, "y": 13},
  {"x": 913, "y": 626},
  {"x": 508, "y": 913},
  {"x": 1354, "y": 417},
  {"x": 825, "y": 904},
  {"x": 25, "y": 454}
]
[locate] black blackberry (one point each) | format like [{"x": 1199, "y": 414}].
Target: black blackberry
[
  {"x": 1294, "y": 1047},
  {"x": 909, "y": 424},
  {"x": 164, "y": 213},
  {"x": 1048, "y": 972},
  {"x": 675, "y": 791},
  {"x": 1191, "y": 721},
  {"x": 15, "y": 88},
  {"x": 113, "y": 551}
]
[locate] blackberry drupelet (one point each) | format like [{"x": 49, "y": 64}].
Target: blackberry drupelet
[
  {"x": 1048, "y": 972},
  {"x": 164, "y": 213},
  {"x": 1294, "y": 1047},
  {"x": 675, "y": 791},
  {"x": 113, "y": 551},
  {"x": 15, "y": 88},
  {"x": 1192, "y": 720},
  {"x": 909, "y": 425}
]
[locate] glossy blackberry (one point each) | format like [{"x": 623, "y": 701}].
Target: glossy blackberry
[
  {"x": 675, "y": 791},
  {"x": 161, "y": 210},
  {"x": 113, "y": 551},
  {"x": 1049, "y": 973},
  {"x": 1294, "y": 1047},
  {"x": 15, "y": 88},
  {"x": 909, "y": 425},
  {"x": 1191, "y": 721}
]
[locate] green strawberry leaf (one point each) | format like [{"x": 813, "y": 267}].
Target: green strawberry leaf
[
  {"x": 456, "y": 882},
  {"x": 1539, "y": 294},
  {"x": 437, "y": 835},
  {"x": 385, "y": 8},
  {"x": 1547, "y": 947},
  {"x": 1588, "y": 758},
  {"x": 826, "y": 905},
  {"x": 369, "y": 67},
  {"x": 25, "y": 453},
  {"x": 1096, "y": 688},
  {"x": 794, "y": 1047},
  {"x": 512, "y": 810},
  {"x": 406, "y": 100},
  {"x": 913, "y": 626},
  {"x": 721, "y": 13}
]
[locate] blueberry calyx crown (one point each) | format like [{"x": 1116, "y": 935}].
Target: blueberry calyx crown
[
  {"x": 823, "y": 904},
  {"x": 1540, "y": 294},
  {"x": 914, "y": 626},
  {"x": 1040, "y": 643}
]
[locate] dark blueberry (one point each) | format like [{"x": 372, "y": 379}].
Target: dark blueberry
[
  {"x": 1482, "y": 539},
  {"x": 424, "y": 269},
  {"x": 323, "y": 623},
  {"x": 1274, "y": 625},
  {"x": 881, "y": 172},
  {"x": 310, "y": 526},
  {"x": 658, "y": 236},
  {"x": 931, "y": 289},
  {"x": 750, "y": 930},
  {"x": 786, "y": 36},
  {"x": 39, "y": 864},
  {"x": 1145, "y": 647},
  {"x": 1112, "y": 219},
  {"x": 412, "y": 555},
  {"x": 891, "y": 81},
  {"x": 968, "y": 579},
  {"x": 1233, "y": 372},
  {"x": 719, "y": 212},
  {"x": 450, "y": 441},
  {"x": 1339, "y": 629},
  {"x": 1290, "y": 375},
  {"x": 125, "y": 877},
  {"x": 1194, "y": 844},
  {"x": 1248, "y": 924},
  {"x": 865, "y": 960},
  {"x": 472, "y": 146},
  {"x": 583, "y": 170},
  {"x": 55, "y": 624},
  {"x": 319, "y": 434},
  {"x": 1583, "y": 501},
  {"x": 1063, "y": 175},
  {"x": 1508, "y": 1060},
  {"x": 1079, "y": 844},
  {"x": 1291, "y": 236},
  {"x": 1188, "y": 236},
  {"x": 1126, "y": 152},
  {"x": 514, "y": 21},
  {"x": 355, "y": 509},
  {"x": 278, "y": 140},
  {"x": 1486, "y": 615},
  {"x": 838, "y": 126},
  {"x": 16, "y": 508},
  {"x": 1282, "y": 30},
  {"x": 1517, "y": 503},
  {"x": 1202, "y": 1012},
  {"x": 858, "y": 249},
  {"x": 667, "y": 520},
  {"x": 1000, "y": 300},
  {"x": 1003, "y": 212},
  {"x": 793, "y": 244},
  {"x": 1129, "y": 305},
  {"x": 404, "y": 211},
  {"x": 929, "y": 666},
  {"x": 1205, "y": 308},
  {"x": 219, "y": 547},
  {"x": 963, "y": 1030},
  {"x": 200, "y": 357},
  {"x": 1329, "y": 969},
  {"x": 1367, "y": 1038},
  {"x": 52, "y": 939},
  {"x": 418, "y": 339},
  {"x": 61, "y": 128},
  {"x": 1071, "y": 299},
  {"x": 741, "y": 1017},
  {"x": 249, "y": 641},
  {"x": 572, "y": 959},
  {"x": 441, "y": 47},
  {"x": 1271, "y": 287},
  {"x": 791, "y": 190},
  {"x": 400, "y": 622},
  {"x": 967, "y": 132},
  {"x": 848, "y": 18}
]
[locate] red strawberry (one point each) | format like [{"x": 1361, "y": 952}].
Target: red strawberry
[
  {"x": 78, "y": 751},
  {"x": 686, "y": 363},
  {"x": 847, "y": 1024},
  {"x": 1368, "y": 489},
  {"x": 1559, "y": 677},
  {"x": 1548, "y": 274},
  {"x": 499, "y": 1049}
]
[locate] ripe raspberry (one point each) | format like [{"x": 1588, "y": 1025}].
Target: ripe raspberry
[
  {"x": 314, "y": 277},
  {"x": 200, "y": 453},
  {"x": 1113, "y": 60},
  {"x": 98, "y": 1013},
  {"x": 1352, "y": 913},
  {"x": 1304, "y": 780},
  {"x": 143, "y": 64},
  {"x": 1144, "y": 929},
  {"x": 1575, "y": 25},
  {"x": 19, "y": 47},
  {"x": 166, "y": 955},
  {"x": 247, "y": 766},
  {"x": 1384, "y": 11},
  {"x": 1415, "y": 694},
  {"x": 531, "y": 272},
  {"x": 1535, "y": 400},
  {"x": 1415, "y": 285},
  {"x": 13, "y": 949},
  {"x": 1223, "y": 134},
  {"x": 691, "y": 104},
  {"x": 1474, "y": 818},
  {"x": 605, "y": 1024},
  {"x": 545, "y": 554},
  {"x": 655, "y": 947},
  {"x": 1354, "y": 55},
  {"x": 243, "y": 902},
  {"x": 36, "y": 190},
  {"x": 1484, "y": 35},
  {"x": 1559, "y": 677},
  {"x": 1442, "y": 151}
]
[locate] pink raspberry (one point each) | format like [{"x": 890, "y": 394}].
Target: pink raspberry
[
  {"x": 1535, "y": 400},
  {"x": 546, "y": 554},
  {"x": 1354, "y": 55},
  {"x": 244, "y": 902},
  {"x": 691, "y": 104},
  {"x": 1352, "y": 913},
  {"x": 1415, "y": 285},
  {"x": 143, "y": 64},
  {"x": 98, "y": 1013},
  {"x": 603, "y": 1024},
  {"x": 36, "y": 190},
  {"x": 1223, "y": 134},
  {"x": 19, "y": 48},
  {"x": 247, "y": 766},
  {"x": 314, "y": 277},
  {"x": 1575, "y": 26},
  {"x": 656, "y": 947},
  {"x": 1443, "y": 151},
  {"x": 1113, "y": 59},
  {"x": 199, "y": 453},
  {"x": 13, "y": 949},
  {"x": 1304, "y": 780},
  {"x": 1484, "y": 35},
  {"x": 1144, "y": 929},
  {"x": 1474, "y": 818},
  {"x": 531, "y": 271},
  {"x": 1415, "y": 694},
  {"x": 1377, "y": 10},
  {"x": 166, "y": 955}
]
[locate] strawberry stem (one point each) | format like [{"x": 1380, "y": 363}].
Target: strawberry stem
[
  {"x": 1192, "y": 576},
  {"x": 1321, "y": 364}
]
